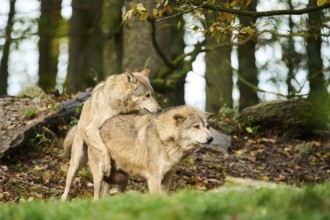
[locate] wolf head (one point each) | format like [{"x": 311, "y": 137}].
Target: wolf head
[
  {"x": 140, "y": 93},
  {"x": 192, "y": 127}
]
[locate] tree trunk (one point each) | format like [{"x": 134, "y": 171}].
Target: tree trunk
[
  {"x": 85, "y": 46},
  {"x": 317, "y": 94},
  {"x": 112, "y": 30},
  {"x": 5, "y": 52},
  {"x": 247, "y": 65},
  {"x": 219, "y": 82},
  {"x": 290, "y": 56},
  {"x": 147, "y": 45},
  {"x": 49, "y": 22}
]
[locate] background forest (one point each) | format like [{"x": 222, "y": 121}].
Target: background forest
[{"x": 232, "y": 53}]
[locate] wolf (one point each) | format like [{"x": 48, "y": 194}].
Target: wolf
[
  {"x": 148, "y": 146},
  {"x": 123, "y": 93}
]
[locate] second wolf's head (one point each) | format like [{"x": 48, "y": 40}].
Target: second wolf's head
[
  {"x": 137, "y": 93},
  {"x": 192, "y": 127}
]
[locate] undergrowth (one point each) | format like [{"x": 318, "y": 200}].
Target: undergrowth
[{"x": 310, "y": 202}]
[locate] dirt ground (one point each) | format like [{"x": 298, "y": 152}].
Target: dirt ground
[{"x": 38, "y": 171}]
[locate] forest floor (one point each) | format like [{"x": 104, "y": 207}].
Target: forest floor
[{"x": 39, "y": 170}]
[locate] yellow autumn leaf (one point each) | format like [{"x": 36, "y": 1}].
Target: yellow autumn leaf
[
  {"x": 263, "y": 177},
  {"x": 179, "y": 25},
  {"x": 239, "y": 152},
  {"x": 140, "y": 8},
  {"x": 322, "y": 2},
  {"x": 128, "y": 15},
  {"x": 144, "y": 16}
]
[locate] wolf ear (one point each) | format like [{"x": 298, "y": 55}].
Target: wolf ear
[
  {"x": 179, "y": 118},
  {"x": 146, "y": 72},
  {"x": 130, "y": 77},
  {"x": 209, "y": 114}
]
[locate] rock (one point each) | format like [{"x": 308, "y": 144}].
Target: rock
[
  {"x": 220, "y": 141},
  {"x": 292, "y": 117}
]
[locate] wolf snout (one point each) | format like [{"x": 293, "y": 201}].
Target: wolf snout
[
  {"x": 159, "y": 109},
  {"x": 209, "y": 140}
]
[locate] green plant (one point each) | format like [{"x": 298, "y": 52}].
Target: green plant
[
  {"x": 30, "y": 112},
  {"x": 228, "y": 119}
]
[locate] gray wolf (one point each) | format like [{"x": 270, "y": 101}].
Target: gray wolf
[
  {"x": 148, "y": 146},
  {"x": 123, "y": 93}
]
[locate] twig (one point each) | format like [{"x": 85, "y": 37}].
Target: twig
[{"x": 221, "y": 8}]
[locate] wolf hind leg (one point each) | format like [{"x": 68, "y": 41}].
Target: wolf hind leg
[
  {"x": 92, "y": 136},
  {"x": 101, "y": 187},
  {"x": 78, "y": 159}
]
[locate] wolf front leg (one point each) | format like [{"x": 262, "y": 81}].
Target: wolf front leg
[
  {"x": 154, "y": 184},
  {"x": 93, "y": 140},
  {"x": 166, "y": 182}
]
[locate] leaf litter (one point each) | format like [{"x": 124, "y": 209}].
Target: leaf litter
[{"x": 39, "y": 171}]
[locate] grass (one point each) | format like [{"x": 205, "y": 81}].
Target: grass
[
  {"x": 30, "y": 112},
  {"x": 282, "y": 203}
]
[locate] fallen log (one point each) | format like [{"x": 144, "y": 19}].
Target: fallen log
[
  {"x": 19, "y": 137},
  {"x": 293, "y": 117}
]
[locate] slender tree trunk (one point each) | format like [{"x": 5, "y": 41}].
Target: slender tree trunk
[
  {"x": 49, "y": 23},
  {"x": 85, "y": 46},
  {"x": 290, "y": 56},
  {"x": 5, "y": 52},
  {"x": 247, "y": 65},
  {"x": 317, "y": 92},
  {"x": 112, "y": 30}
]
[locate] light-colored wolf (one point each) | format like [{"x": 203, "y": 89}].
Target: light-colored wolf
[
  {"x": 123, "y": 93},
  {"x": 148, "y": 146}
]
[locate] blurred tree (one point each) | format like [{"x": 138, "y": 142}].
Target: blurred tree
[
  {"x": 247, "y": 68},
  {"x": 6, "y": 49},
  {"x": 49, "y": 23},
  {"x": 317, "y": 94},
  {"x": 150, "y": 45},
  {"x": 219, "y": 82},
  {"x": 112, "y": 31},
  {"x": 85, "y": 45},
  {"x": 289, "y": 56}
]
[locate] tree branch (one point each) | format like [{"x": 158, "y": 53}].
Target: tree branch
[
  {"x": 221, "y": 8},
  {"x": 167, "y": 62}
]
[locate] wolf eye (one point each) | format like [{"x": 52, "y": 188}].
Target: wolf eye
[
  {"x": 207, "y": 126},
  {"x": 196, "y": 126},
  {"x": 147, "y": 95}
]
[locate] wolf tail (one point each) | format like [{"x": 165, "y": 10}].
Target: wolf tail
[{"x": 68, "y": 141}]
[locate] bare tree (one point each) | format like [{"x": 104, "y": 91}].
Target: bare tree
[
  {"x": 112, "y": 31},
  {"x": 6, "y": 49},
  {"x": 247, "y": 65},
  {"x": 49, "y": 23},
  {"x": 85, "y": 45}
]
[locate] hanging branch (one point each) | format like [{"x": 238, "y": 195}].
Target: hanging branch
[{"x": 221, "y": 8}]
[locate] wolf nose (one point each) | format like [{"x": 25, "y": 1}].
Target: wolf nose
[
  {"x": 209, "y": 140},
  {"x": 159, "y": 109}
]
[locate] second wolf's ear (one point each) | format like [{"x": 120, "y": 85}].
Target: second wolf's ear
[
  {"x": 209, "y": 114},
  {"x": 179, "y": 118},
  {"x": 146, "y": 72},
  {"x": 130, "y": 77}
]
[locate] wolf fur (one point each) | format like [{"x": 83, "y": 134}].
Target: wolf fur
[
  {"x": 123, "y": 93},
  {"x": 148, "y": 146}
]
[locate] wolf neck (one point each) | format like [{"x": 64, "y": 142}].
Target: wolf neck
[
  {"x": 167, "y": 136},
  {"x": 117, "y": 99}
]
